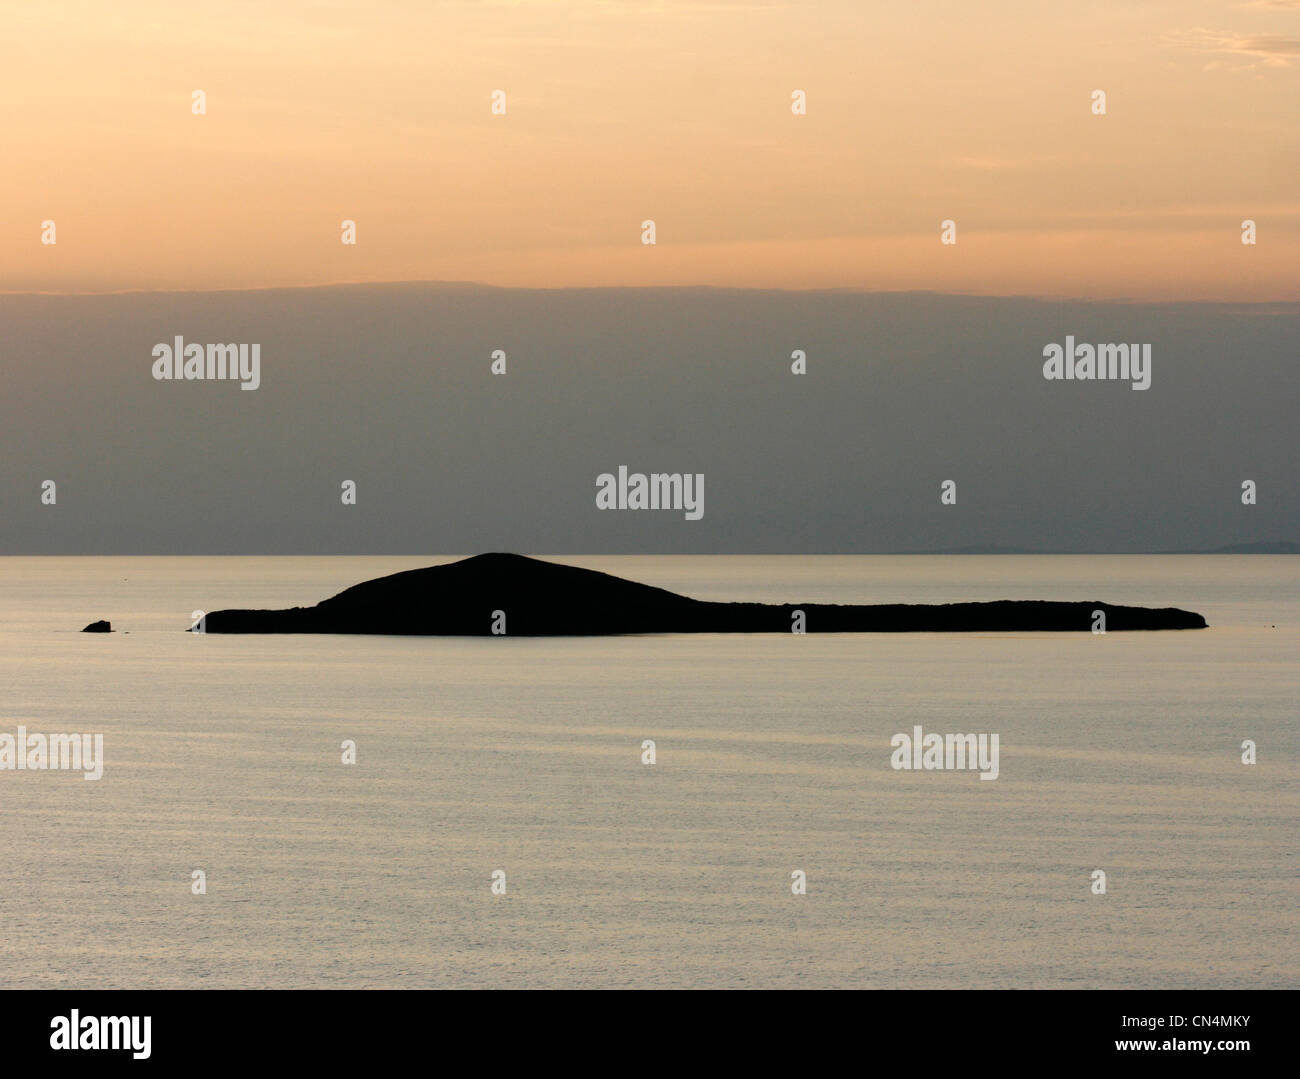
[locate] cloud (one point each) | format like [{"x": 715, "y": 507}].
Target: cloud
[{"x": 1273, "y": 49}]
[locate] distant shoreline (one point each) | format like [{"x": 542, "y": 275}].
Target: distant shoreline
[{"x": 1280, "y": 547}]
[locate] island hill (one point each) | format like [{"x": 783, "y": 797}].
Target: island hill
[{"x": 543, "y": 599}]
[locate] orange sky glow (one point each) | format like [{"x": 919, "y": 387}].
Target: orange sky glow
[{"x": 380, "y": 113}]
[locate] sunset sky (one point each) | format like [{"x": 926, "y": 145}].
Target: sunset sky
[{"x": 379, "y": 112}]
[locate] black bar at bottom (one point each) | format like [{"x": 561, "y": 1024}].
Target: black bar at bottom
[{"x": 340, "y": 1029}]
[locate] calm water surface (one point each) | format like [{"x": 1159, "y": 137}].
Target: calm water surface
[{"x": 1119, "y": 753}]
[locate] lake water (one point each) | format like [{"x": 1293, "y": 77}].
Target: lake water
[{"x": 222, "y": 753}]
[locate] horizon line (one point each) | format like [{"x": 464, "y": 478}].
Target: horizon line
[
  {"x": 1012, "y": 553},
  {"x": 832, "y": 290}
]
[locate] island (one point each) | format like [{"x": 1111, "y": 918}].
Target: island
[{"x": 513, "y": 595}]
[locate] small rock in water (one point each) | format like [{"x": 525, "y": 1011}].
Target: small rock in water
[{"x": 99, "y": 627}]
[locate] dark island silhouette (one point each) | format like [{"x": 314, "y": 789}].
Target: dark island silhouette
[{"x": 545, "y": 599}]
